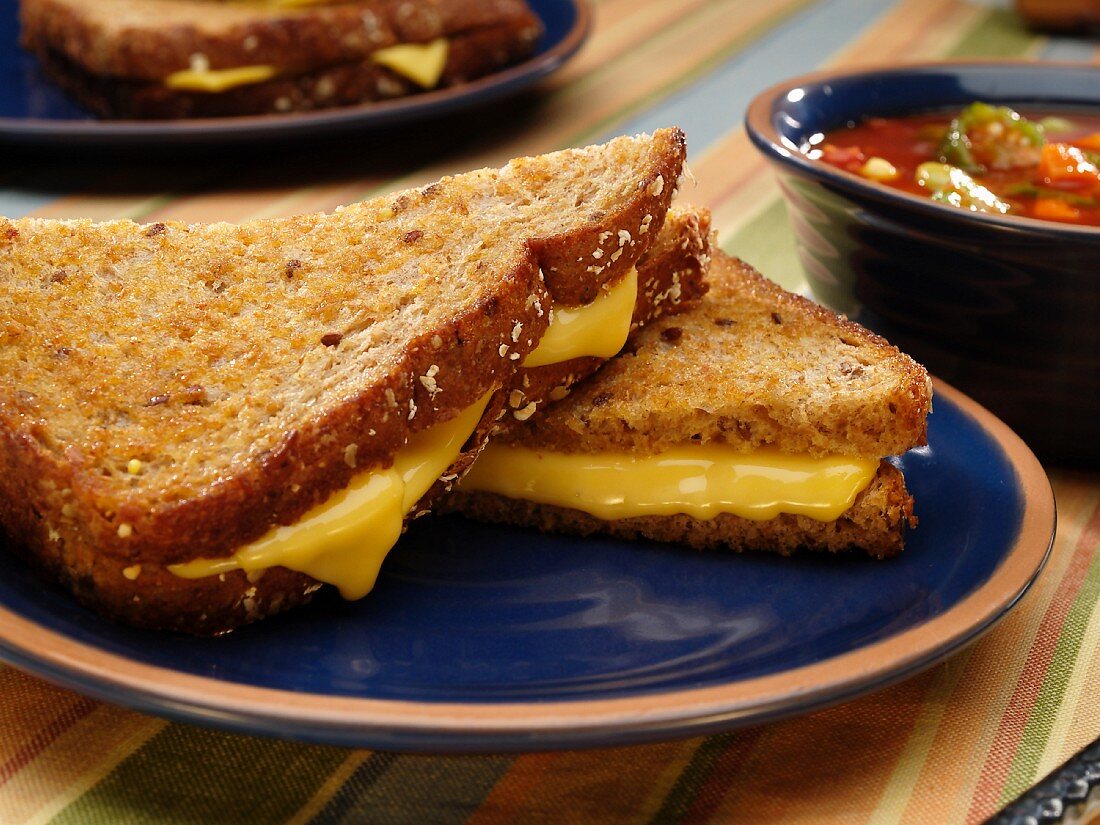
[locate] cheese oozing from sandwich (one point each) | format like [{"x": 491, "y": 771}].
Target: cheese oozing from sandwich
[
  {"x": 218, "y": 80},
  {"x": 599, "y": 328},
  {"x": 422, "y": 63},
  {"x": 344, "y": 540},
  {"x": 701, "y": 481}
]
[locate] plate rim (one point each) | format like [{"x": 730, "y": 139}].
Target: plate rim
[
  {"x": 362, "y": 116},
  {"x": 501, "y": 726}
]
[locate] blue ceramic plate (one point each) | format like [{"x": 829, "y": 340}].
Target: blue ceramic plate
[
  {"x": 34, "y": 111},
  {"x": 486, "y": 638}
]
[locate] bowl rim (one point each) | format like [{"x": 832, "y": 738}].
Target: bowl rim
[{"x": 763, "y": 134}]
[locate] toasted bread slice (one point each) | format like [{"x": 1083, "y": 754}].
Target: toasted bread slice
[
  {"x": 671, "y": 278},
  {"x": 116, "y": 55},
  {"x": 751, "y": 367},
  {"x": 170, "y": 391},
  {"x": 674, "y": 270}
]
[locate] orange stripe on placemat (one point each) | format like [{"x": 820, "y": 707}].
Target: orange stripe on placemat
[
  {"x": 519, "y": 784},
  {"x": 619, "y": 28},
  {"x": 576, "y": 786},
  {"x": 830, "y": 767},
  {"x": 1014, "y": 722},
  {"x": 945, "y": 782},
  {"x": 29, "y": 705},
  {"x": 72, "y": 714}
]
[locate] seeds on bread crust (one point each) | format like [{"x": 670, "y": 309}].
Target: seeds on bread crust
[{"x": 762, "y": 363}]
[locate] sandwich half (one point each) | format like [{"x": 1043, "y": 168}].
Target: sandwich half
[
  {"x": 756, "y": 420},
  {"x": 209, "y": 58},
  {"x": 201, "y": 424}
]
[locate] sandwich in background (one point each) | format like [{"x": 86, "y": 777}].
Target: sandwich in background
[
  {"x": 200, "y": 424},
  {"x": 756, "y": 420},
  {"x": 209, "y": 58}
]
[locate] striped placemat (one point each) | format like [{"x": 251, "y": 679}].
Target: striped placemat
[{"x": 951, "y": 745}]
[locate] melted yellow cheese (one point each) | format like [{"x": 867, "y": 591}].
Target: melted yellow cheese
[
  {"x": 344, "y": 540},
  {"x": 422, "y": 63},
  {"x": 700, "y": 481},
  {"x": 218, "y": 80},
  {"x": 599, "y": 328}
]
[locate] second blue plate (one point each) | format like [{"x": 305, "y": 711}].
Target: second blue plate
[{"x": 34, "y": 111}]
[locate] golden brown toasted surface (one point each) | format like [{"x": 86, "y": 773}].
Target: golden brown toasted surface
[
  {"x": 140, "y": 590},
  {"x": 875, "y": 523},
  {"x": 670, "y": 280},
  {"x": 150, "y": 39},
  {"x": 177, "y": 389},
  {"x": 751, "y": 366}
]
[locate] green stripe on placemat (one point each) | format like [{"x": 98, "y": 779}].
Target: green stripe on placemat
[
  {"x": 189, "y": 775},
  {"x": 414, "y": 790},
  {"x": 1037, "y": 731},
  {"x": 1000, "y": 34},
  {"x": 693, "y": 778},
  {"x": 355, "y": 786},
  {"x": 766, "y": 242}
]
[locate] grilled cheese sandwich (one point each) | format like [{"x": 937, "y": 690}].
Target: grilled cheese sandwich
[
  {"x": 202, "y": 59},
  {"x": 344, "y": 540},
  {"x": 755, "y": 420},
  {"x": 164, "y": 422}
]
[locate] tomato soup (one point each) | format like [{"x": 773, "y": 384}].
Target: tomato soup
[{"x": 984, "y": 159}]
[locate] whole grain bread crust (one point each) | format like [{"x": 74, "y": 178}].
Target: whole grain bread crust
[
  {"x": 56, "y": 505},
  {"x": 752, "y": 366},
  {"x": 875, "y": 523},
  {"x": 142, "y": 40},
  {"x": 671, "y": 279}
]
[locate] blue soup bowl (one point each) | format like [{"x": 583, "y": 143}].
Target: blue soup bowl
[{"x": 1006, "y": 308}]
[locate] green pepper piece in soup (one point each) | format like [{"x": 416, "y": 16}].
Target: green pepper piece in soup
[
  {"x": 951, "y": 185},
  {"x": 986, "y": 137}
]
